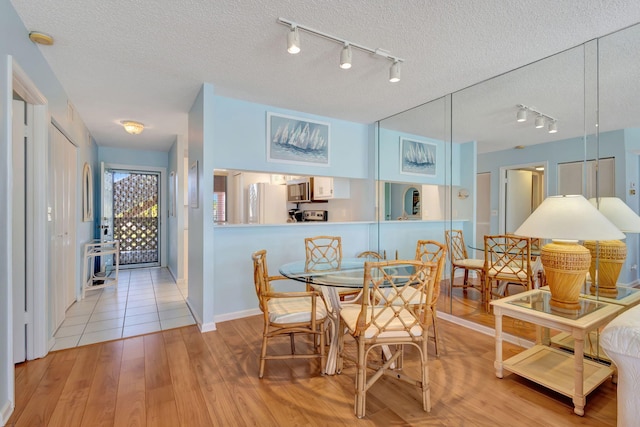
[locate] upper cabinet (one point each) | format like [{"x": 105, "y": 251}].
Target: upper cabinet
[{"x": 325, "y": 188}]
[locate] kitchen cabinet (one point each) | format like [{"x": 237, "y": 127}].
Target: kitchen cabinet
[{"x": 325, "y": 188}]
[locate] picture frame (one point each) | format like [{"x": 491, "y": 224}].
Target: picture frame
[
  {"x": 87, "y": 193},
  {"x": 297, "y": 140},
  {"x": 418, "y": 157},
  {"x": 193, "y": 185}
]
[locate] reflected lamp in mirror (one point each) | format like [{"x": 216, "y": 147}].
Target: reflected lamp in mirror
[
  {"x": 565, "y": 220},
  {"x": 610, "y": 254}
]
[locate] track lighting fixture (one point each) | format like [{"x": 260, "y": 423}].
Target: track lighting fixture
[
  {"x": 345, "y": 57},
  {"x": 522, "y": 115},
  {"x": 394, "y": 72},
  {"x": 293, "y": 46},
  {"x": 541, "y": 118},
  {"x": 293, "y": 41}
]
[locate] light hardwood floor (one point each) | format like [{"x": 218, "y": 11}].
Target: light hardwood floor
[{"x": 181, "y": 377}]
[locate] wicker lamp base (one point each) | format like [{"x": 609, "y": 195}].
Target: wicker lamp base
[
  {"x": 566, "y": 264},
  {"x": 611, "y": 254}
]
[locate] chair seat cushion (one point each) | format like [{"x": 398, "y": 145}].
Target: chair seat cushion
[
  {"x": 294, "y": 310},
  {"x": 469, "y": 263},
  {"x": 395, "y": 329},
  {"x": 505, "y": 273}
]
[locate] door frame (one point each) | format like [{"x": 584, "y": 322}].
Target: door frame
[
  {"x": 162, "y": 201},
  {"x": 502, "y": 201}
]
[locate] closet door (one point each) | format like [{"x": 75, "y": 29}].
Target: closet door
[{"x": 62, "y": 193}]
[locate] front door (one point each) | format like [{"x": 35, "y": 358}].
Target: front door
[{"x": 130, "y": 214}]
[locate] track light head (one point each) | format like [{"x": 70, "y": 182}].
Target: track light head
[
  {"x": 522, "y": 114},
  {"x": 553, "y": 127},
  {"x": 394, "y": 72},
  {"x": 539, "y": 121},
  {"x": 345, "y": 57},
  {"x": 293, "y": 41}
]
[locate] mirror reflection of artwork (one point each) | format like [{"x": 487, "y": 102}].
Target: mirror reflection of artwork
[
  {"x": 293, "y": 140},
  {"x": 417, "y": 158}
]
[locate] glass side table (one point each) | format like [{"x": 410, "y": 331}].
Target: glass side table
[{"x": 558, "y": 370}]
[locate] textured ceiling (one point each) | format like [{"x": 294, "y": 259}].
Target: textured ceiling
[{"x": 146, "y": 61}]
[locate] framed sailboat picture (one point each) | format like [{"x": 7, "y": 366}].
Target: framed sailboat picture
[
  {"x": 296, "y": 140},
  {"x": 417, "y": 157}
]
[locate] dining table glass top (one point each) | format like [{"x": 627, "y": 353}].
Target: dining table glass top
[{"x": 350, "y": 273}]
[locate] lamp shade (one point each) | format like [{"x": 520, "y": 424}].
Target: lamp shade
[
  {"x": 618, "y": 212},
  {"x": 568, "y": 218}
]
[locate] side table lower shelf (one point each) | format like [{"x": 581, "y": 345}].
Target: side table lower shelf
[
  {"x": 92, "y": 280},
  {"x": 555, "y": 369}
]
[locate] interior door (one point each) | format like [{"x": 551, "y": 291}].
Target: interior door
[
  {"x": 62, "y": 194},
  {"x": 518, "y": 193},
  {"x": 18, "y": 254}
]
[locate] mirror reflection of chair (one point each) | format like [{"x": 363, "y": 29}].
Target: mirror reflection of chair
[
  {"x": 433, "y": 251},
  {"x": 507, "y": 262},
  {"x": 395, "y": 322},
  {"x": 460, "y": 260},
  {"x": 288, "y": 313}
]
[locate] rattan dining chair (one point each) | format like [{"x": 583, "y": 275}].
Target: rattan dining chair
[
  {"x": 323, "y": 253},
  {"x": 460, "y": 260},
  {"x": 288, "y": 313},
  {"x": 507, "y": 262},
  {"x": 395, "y": 322}
]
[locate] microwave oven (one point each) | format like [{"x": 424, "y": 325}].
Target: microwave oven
[{"x": 299, "y": 190}]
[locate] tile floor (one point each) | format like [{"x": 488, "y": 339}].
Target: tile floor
[{"x": 146, "y": 300}]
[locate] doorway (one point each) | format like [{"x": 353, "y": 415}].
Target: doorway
[
  {"x": 522, "y": 189},
  {"x": 130, "y": 214}
]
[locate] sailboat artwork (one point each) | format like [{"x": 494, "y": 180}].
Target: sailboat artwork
[
  {"x": 417, "y": 158},
  {"x": 293, "y": 140}
]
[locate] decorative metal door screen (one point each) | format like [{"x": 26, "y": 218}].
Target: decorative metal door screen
[{"x": 135, "y": 216}]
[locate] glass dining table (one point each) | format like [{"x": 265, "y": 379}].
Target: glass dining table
[
  {"x": 330, "y": 281},
  {"x": 349, "y": 276}
]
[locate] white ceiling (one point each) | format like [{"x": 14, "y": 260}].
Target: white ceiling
[{"x": 146, "y": 60}]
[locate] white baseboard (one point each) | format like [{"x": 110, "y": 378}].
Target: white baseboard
[
  {"x": 207, "y": 327},
  {"x": 5, "y": 412},
  {"x": 237, "y": 315}
]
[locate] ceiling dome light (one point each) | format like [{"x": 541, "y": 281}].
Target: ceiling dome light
[
  {"x": 553, "y": 127},
  {"x": 293, "y": 41},
  {"x": 394, "y": 72},
  {"x": 41, "y": 38},
  {"x": 345, "y": 57},
  {"x": 134, "y": 128},
  {"x": 522, "y": 115},
  {"x": 539, "y": 121}
]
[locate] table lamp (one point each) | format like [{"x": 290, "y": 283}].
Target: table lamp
[
  {"x": 610, "y": 253},
  {"x": 565, "y": 220}
]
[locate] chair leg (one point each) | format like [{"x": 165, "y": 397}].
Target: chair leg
[
  {"x": 263, "y": 355},
  {"x": 434, "y": 324},
  {"x": 426, "y": 388},
  {"x": 465, "y": 283},
  {"x": 361, "y": 372},
  {"x": 293, "y": 344}
]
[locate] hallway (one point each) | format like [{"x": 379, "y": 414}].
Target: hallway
[{"x": 146, "y": 300}]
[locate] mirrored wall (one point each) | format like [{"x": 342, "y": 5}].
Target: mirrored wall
[{"x": 465, "y": 162}]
